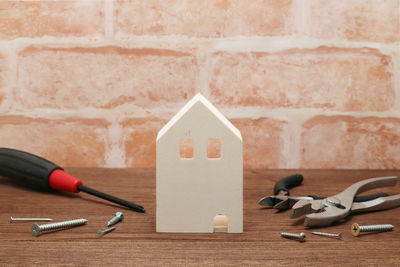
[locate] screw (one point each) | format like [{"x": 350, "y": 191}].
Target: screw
[
  {"x": 301, "y": 237},
  {"x": 37, "y": 229},
  {"x": 119, "y": 216},
  {"x": 12, "y": 219},
  {"x": 100, "y": 233},
  {"x": 338, "y": 235},
  {"x": 357, "y": 229}
]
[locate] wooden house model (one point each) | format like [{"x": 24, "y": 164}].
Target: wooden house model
[{"x": 199, "y": 176}]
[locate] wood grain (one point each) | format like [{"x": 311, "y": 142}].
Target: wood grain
[{"x": 135, "y": 242}]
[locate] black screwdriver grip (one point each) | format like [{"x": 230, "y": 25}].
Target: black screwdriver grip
[
  {"x": 27, "y": 169},
  {"x": 287, "y": 183}
]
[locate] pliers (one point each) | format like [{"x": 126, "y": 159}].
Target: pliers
[
  {"x": 323, "y": 212},
  {"x": 283, "y": 201}
]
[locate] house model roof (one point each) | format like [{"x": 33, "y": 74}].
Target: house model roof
[{"x": 199, "y": 99}]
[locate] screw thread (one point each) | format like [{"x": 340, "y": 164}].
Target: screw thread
[
  {"x": 113, "y": 221},
  {"x": 36, "y": 229},
  {"x": 301, "y": 237},
  {"x": 60, "y": 225},
  {"x": 339, "y": 235},
  {"x": 323, "y": 234},
  {"x": 119, "y": 216},
  {"x": 375, "y": 228},
  {"x": 290, "y": 235}
]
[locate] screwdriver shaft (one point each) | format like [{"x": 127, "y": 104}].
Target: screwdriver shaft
[{"x": 105, "y": 196}]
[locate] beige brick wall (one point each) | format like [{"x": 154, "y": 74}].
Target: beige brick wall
[{"x": 310, "y": 83}]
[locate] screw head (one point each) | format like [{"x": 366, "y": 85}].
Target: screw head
[
  {"x": 100, "y": 233},
  {"x": 302, "y": 237},
  {"x": 355, "y": 229},
  {"x": 339, "y": 236},
  {"x": 35, "y": 229},
  {"x": 120, "y": 215}
]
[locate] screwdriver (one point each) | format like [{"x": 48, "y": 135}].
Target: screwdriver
[{"x": 40, "y": 174}]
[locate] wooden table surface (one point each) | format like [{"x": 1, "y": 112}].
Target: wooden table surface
[{"x": 135, "y": 241}]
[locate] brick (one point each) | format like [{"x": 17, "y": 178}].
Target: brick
[
  {"x": 357, "y": 20},
  {"x": 67, "y": 142},
  {"x": 140, "y": 141},
  {"x": 326, "y": 78},
  {"x": 212, "y": 18},
  {"x": 345, "y": 142},
  {"x": 51, "y": 18},
  {"x": 104, "y": 77},
  {"x": 263, "y": 142}
]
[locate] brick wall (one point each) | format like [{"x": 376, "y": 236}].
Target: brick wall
[{"x": 310, "y": 83}]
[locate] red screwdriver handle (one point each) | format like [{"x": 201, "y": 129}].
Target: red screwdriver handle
[{"x": 60, "y": 180}]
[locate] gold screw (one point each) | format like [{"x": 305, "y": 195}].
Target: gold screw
[{"x": 357, "y": 229}]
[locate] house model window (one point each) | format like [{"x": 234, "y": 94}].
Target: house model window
[
  {"x": 199, "y": 172},
  {"x": 213, "y": 148}
]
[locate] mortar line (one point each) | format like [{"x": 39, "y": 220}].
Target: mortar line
[
  {"x": 10, "y": 75},
  {"x": 115, "y": 150},
  {"x": 232, "y": 44},
  {"x": 109, "y": 19},
  {"x": 396, "y": 78}
]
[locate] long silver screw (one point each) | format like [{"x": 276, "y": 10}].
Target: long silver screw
[
  {"x": 357, "y": 229},
  {"x": 300, "y": 237},
  {"x": 338, "y": 235},
  {"x": 119, "y": 217},
  {"x": 37, "y": 229},
  {"x": 100, "y": 233},
  {"x": 12, "y": 219}
]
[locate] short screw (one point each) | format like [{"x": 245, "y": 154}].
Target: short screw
[
  {"x": 338, "y": 235},
  {"x": 119, "y": 217},
  {"x": 357, "y": 229},
  {"x": 37, "y": 229},
  {"x": 100, "y": 233},
  {"x": 300, "y": 237}
]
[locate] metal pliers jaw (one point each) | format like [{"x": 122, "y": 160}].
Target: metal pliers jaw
[{"x": 324, "y": 212}]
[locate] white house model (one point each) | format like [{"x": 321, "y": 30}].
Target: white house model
[{"x": 199, "y": 172}]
